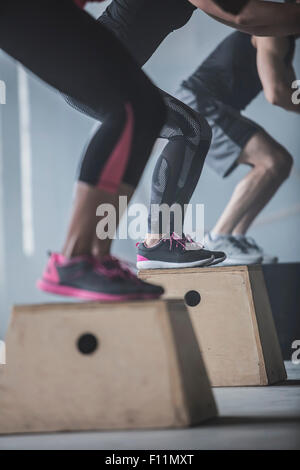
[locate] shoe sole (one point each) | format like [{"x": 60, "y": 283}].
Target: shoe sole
[
  {"x": 165, "y": 265},
  {"x": 217, "y": 261},
  {"x": 238, "y": 262},
  {"x": 66, "y": 291}
]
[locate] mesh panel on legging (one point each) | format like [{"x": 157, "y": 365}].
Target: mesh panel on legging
[{"x": 179, "y": 166}]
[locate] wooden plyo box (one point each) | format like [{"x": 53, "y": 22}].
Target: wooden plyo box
[
  {"x": 232, "y": 318},
  {"x": 94, "y": 366}
]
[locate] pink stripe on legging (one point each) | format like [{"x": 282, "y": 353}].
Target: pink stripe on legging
[{"x": 112, "y": 175}]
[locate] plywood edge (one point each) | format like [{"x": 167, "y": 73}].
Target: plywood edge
[
  {"x": 261, "y": 360},
  {"x": 274, "y": 365},
  {"x": 79, "y": 306},
  {"x": 225, "y": 269}
]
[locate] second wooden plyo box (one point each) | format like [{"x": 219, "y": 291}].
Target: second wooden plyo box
[{"x": 232, "y": 318}]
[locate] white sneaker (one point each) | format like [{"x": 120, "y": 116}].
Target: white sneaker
[
  {"x": 254, "y": 248},
  {"x": 236, "y": 251}
]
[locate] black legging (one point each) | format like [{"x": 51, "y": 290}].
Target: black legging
[{"x": 68, "y": 49}]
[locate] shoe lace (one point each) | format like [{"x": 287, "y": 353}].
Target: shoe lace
[
  {"x": 177, "y": 241},
  {"x": 101, "y": 269},
  {"x": 251, "y": 242},
  {"x": 193, "y": 245},
  {"x": 238, "y": 244},
  {"x": 114, "y": 268}
]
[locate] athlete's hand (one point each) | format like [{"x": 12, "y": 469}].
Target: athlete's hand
[{"x": 259, "y": 18}]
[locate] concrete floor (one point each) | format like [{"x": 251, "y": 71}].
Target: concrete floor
[{"x": 250, "y": 418}]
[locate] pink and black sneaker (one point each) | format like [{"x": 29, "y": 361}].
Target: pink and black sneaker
[
  {"x": 86, "y": 278},
  {"x": 122, "y": 268},
  {"x": 176, "y": 252}
]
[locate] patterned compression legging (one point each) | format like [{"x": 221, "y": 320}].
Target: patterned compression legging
[{"x": 68, "y": 49}]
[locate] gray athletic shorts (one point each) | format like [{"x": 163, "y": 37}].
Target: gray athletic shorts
[{"x": 231, "y": 131}]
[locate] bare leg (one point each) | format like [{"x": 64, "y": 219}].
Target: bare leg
[
  {"x": 82, "y": 229},
  {"x": 152, "y": 239},
  {"x": 271, "y": 165},
  {"x": 253, "y": 212},
  {"x": 101, "y": 248}
]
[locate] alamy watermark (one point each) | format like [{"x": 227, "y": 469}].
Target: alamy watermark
[
  {"x": 296, "y": 353},
  {"x": 296, "y": 94},
  {"x": 137, "y": 220},
  {"x": 2, "y": 353},
  {"x": 2, "y": 92}
]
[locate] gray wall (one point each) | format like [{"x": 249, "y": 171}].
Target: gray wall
[{"x": 58, "y": 136}]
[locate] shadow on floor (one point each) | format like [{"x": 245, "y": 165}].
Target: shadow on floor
[
  {"x": 289, "y": 383},
  {"x": 253, "y": 420}
]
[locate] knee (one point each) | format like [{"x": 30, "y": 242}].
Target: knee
[
  {"x": 278, "y": 165},
  {"x": 184, "y": 121},
  {"x": 204, "y": 130},
  {"x": 200, "y": 130}
]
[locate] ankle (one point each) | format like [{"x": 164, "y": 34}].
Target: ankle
[
  {"x": 239, "y": 236},
  {"x": 152, "y": 240},
  {"x": 75, "y": 251},
  {"x": 99, "y": 254},
  {"x": 215, "y": 235}
]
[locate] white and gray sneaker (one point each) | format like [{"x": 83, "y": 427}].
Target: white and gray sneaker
[
  {"x": 236, "y": 251},
  {"x": 254, "y": 248}
]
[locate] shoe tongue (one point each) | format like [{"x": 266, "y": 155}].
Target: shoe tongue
[
  {"x": 179, "y": 237},
  {"x": 116, "y": 269},
  {"x": 193, "y": 246}
]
